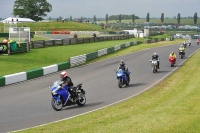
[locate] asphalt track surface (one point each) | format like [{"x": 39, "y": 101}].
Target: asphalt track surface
[{"x": 27, "y": 104}]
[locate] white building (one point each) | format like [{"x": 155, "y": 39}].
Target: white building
[{"x": 17, "y": 20}]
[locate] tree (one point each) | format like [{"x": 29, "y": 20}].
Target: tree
[
  {"x": 133, "y": 18},
  {"x": 33, "y": 9},
  {"x": 50, "y": 18},
  {"x": 106, "y": 18},
  {"x": 147, "y": 18},
  {"x": 95, "y": 18},
  {"x": 195, "y": 18},
  {"x": 70, "y": 18},
  {"x": 81, "y": 20},
  {"x": 120, "y": 18},
  {"x": 162, "y": 17},
  {"x": 178, "y": 18}
]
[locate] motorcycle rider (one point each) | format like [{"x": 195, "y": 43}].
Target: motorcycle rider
[
  {"x": 182, "y": 49},
  {"x": 66, "y": 80},
  {"x": 189, "y": 41},
  {"x": 124, "y": 67},
  {"x": 184, "y": 43},
  {"x": 155, "y": 56},
  {"x": 173, "y": 55}
]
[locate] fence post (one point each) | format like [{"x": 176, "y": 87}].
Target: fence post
[
  {"x": 53, "y": 42},
  {"x": 62, "y": 41},
  {"x": 44, "y": 43},
  {"x": 8, "y": 48}
]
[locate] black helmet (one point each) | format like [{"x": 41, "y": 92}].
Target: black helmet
[{"x": 122, "y": 62}]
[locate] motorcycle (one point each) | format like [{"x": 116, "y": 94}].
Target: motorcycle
[
  {"x": 62, "y": 98},
  {"x": 197, "y": 42},
  {"x": 172, "y": 61},
  {"x": 181, "y": 53},
  {"x": 189, "y": 44},
  {"x": 154, "y": 64},
  {"x": 184, "y": 44},
  {"x": 122, "y": 78}
]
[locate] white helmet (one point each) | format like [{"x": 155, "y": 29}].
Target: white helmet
[{"x": 154, "y": 54}]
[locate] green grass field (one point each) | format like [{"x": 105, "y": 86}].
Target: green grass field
[
  {"x": 182, "y": 21},
  {"x": 170, "y": 107}
]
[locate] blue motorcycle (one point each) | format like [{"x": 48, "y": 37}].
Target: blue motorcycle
[
  {"x": 61, "y": 96},
  {"x": 122, "y": 78}
]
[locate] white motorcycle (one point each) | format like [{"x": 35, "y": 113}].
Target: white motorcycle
[{"x": 154, "y": 64}]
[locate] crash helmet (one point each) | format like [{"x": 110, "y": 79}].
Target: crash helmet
[{"x": 63, "y": 74}]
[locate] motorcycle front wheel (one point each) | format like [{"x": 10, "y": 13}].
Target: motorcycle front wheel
[
  {"x": 56, "y": 106},
  {"x": 120, "y": 84}
]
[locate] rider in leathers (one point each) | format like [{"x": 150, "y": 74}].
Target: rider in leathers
[
  {"x": 66, "y": 80},
  {"x": 155, "y": 56},
  {"x": 124, "y": 67}
]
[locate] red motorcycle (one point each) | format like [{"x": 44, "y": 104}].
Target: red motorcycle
[
  {"x": 172, "y": 61},
  {"x": 197, "y": 42}
]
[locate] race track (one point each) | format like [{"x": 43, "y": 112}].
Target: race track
[{"x": 28, "y": 104}]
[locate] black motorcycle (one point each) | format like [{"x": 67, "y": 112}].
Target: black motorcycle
[{"x": 182, "y": 54}]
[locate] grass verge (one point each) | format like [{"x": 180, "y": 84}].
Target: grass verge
[
  {"x": 172, "y": 106},
  {"x": 37, "y": 58}
]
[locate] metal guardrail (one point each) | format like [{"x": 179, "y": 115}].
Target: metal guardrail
[{"x": 68, "y": 41}]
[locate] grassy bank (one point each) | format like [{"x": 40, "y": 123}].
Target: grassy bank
[
  {"x": 170, "y": 107},
  {"x": 50, "y": 26}
]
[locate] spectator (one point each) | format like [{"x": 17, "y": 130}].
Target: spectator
[
  {"x": 75, "y": 35},
  {"x": 6, "y": 40},
  {"x": 94, "y": 35}
]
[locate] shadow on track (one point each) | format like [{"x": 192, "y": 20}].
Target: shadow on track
[{"x": 86, "y": 105}]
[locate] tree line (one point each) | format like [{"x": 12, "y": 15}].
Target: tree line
[
  {"x": 162, "y": 18},
  {"x": 40, "y": 8}
]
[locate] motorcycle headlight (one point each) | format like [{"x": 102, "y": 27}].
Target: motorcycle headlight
[
  {"x": 118, "y": 75},
  {"x": 53, "y": 92}
]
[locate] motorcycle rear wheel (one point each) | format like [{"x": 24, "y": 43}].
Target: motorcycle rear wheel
[
  {"x": 56, "y": 106},
  {"x": 81, "y": 99}
]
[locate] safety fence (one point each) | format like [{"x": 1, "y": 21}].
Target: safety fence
[
  {"x": 68, "y": 41},
  {"x": 81, "y": 59}
]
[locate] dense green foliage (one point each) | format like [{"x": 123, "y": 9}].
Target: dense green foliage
[
  {"x": 33, "y": 9},
  {"x": 195, "y": 18},
  {"x": 148, "y": 17},
  {"x": 123, "y": 17},
  {"x": 178, "y": 18}
]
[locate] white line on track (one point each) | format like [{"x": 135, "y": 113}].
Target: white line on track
[{"x": 117, "y": 101}]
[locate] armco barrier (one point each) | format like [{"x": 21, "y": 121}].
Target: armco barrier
[
  {"x": 117, "y": 47},
  {"x": 91, "y": 56},
  {"x": 110, "y": 50},
  {"x": 63, "y": 66},
  {"x": 50, "y": 69},
  {"x": 34, "y": 73},
  {"x": 123, "y": 46},
  {"x": 77, "y": 60},
  {"x": 102, "y": 52},
  {"x": 127, "y": 44},
  {"x": 2, "y": 81},
  {"x": 17, "y": 77}
]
